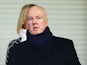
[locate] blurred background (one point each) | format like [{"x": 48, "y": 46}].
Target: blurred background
[{"x": 67, "y": 18}]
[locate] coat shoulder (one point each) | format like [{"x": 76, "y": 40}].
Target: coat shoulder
[
  {"x": 63, "y": 41},
  {"x": 14, "y": 42}
]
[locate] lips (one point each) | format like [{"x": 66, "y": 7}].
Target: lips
[{"x": 35, "y": 28}]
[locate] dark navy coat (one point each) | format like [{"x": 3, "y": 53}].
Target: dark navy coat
[{"x": 61, "y": 51}]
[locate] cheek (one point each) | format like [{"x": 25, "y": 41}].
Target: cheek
[
  {"x": 44, "y": 25},
  {"x": 28, "y": 26}
]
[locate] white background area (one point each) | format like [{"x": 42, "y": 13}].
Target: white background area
[{"x": 67, "y": 18}]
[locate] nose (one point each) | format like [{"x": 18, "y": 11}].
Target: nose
[{"x": 35, "y": 21}]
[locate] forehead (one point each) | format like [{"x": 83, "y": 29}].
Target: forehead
[{"x": 35, "y": 10}]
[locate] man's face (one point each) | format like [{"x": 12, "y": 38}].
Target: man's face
[{"x": 36, "y": 21}]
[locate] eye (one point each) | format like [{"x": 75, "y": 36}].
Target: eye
[
  {"x": 30, "y": 18},
  {"x": 39, "y": 17}
]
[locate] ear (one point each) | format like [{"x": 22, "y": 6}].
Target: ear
[{"x": 46, "y": 22}]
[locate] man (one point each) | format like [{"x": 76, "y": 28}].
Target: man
[{"x": 39, "y": 47}]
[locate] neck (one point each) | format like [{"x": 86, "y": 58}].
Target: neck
[{"x": 40, "y": 40}]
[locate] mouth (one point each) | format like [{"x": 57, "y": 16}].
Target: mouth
[{"x": 35, "y": 28}]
